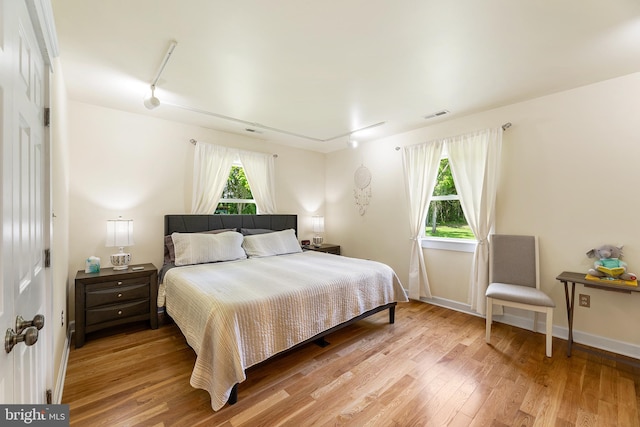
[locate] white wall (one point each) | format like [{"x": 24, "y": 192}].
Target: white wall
[
  {"x": 141, "y": 168},
  {"x": 60, "y": 206},
  {"x": 569, "y": 175}
]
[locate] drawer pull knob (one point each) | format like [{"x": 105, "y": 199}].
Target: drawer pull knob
[
  {"x": 119, "y": 283},
  {"x": 119, "y": 295},
  {"x": 119, "y": 312}
]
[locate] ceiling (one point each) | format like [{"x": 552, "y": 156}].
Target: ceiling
[{"x": 307, "y": 73}]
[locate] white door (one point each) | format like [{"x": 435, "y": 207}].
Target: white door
[{"x": 24, "y": 280}]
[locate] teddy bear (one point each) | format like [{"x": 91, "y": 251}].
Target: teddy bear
[{"x": 609, "y": 264}]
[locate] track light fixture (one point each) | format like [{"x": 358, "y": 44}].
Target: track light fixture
[{"x": 152, "y": 102}]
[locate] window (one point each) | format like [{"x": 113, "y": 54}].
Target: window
[
  {"x": 236, "y": 196},
  {"x": 445, "y": 218}
]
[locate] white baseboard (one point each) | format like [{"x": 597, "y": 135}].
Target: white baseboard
[
  {"x": 603, "y": 343},
  {"x": 453, "y": 305},
  {"x": 62, "y": 369}
]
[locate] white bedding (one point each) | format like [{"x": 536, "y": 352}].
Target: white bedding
[{"x": 236, "y": 314}]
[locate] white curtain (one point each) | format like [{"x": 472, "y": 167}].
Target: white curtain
[
  {"x": 259, "y": 169},
  {"x": 420, "y": 164},
  {"x": 475, "y": 163},
  {"x": 211, "y": 167}
]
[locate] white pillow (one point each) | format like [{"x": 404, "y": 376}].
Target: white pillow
[
  {"x": 199, "y": 248},
  {"x": 268, "y": 244}
]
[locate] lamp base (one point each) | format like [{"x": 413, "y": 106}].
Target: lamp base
[
  {"x": 120, "y": 261},
  {"x": 317, "y": 241}
]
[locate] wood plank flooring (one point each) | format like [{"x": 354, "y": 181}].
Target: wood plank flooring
[{"x": 432, "y": 367}]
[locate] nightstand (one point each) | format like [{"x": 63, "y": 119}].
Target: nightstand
[
  {"x": 325, "y": 247},
  {"x": 115, "y": 297}
]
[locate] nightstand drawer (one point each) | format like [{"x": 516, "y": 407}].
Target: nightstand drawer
[
  {"x": 115, "y": 295},
  {"x": 114, "y": 284},
  {"x": 113, "y": 312}
]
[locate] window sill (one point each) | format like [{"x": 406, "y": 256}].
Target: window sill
[{"x": 458, "y": 245}]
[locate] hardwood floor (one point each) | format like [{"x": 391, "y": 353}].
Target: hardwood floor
[{"x": 432, "y": 367}]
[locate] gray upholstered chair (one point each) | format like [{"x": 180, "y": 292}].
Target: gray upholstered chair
[{"x": 514, "y": 280}]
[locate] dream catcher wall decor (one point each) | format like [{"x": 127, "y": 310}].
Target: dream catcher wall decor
[{"x": 362, "y": 190}]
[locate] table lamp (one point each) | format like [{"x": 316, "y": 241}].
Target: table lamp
[
  {"x": 120, "y": 234},
  {"x": 318, "y": 227}
]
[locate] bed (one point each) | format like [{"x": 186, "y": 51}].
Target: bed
[{"x": 241, "y": 290}]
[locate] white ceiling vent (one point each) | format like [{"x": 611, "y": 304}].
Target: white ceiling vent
[{"x": 437, "y": 114}]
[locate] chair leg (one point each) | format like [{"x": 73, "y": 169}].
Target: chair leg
[
  {"x": 549, "y": 331},
  {"x": 489, "y": 318}
]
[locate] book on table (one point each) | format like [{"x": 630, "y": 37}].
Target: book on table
[
  {"x": 612, "y": 271},
  {"x": 611, "y": 280}
]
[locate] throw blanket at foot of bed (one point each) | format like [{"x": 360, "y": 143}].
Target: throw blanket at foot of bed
[{"x": 239, "y": 313}]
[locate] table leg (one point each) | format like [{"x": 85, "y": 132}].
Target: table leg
[{"x": 570, "y": 306}]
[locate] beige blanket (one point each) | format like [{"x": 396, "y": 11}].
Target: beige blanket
[{"x": 236, "y": 314}]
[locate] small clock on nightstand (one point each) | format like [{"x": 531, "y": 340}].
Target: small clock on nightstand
[{"x": 325, "y": 247}]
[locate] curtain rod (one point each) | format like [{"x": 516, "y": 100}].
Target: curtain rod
[
  {"x": 195, "y": 141},
  {"x": 504, "y": 127}
]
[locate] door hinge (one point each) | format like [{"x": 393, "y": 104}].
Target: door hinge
[
  {"x": 47, "y": 117},
  {"x": 47, "y": 258}
]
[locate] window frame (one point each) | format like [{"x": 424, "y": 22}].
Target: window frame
[{"x": 447, "y": 243}]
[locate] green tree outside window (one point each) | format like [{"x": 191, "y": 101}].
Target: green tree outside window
[
  {"x": 445, "y": 217},
  {"x": 236, "y": 196}
]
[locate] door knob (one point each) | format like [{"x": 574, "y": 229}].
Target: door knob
[
  {"x": 21, "y": 324},
  {"x": 29, "y": 337}
]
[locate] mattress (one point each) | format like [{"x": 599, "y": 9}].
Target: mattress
[{"x": 239, "y": 313}]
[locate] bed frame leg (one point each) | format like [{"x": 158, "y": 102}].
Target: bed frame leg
[
  {"x": 321, "y": 342},
  {"x": 233, "y": 396},
  {"x": 392, "y": 314}
]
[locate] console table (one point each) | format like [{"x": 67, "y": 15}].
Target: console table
[{"x": 567, "y": 278}]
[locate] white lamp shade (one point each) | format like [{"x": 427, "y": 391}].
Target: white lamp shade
[
  {"x": 119, "y": 232},
  {"x": 318, "y": 224}
]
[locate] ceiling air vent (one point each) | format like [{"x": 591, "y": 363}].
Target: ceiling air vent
[{"x": 437, "y": 114}]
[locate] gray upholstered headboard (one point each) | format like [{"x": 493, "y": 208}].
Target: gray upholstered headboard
[{"x": 193, "y": 223}]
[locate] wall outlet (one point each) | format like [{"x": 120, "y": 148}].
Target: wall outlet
[{"x": 585, "y": 300}]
